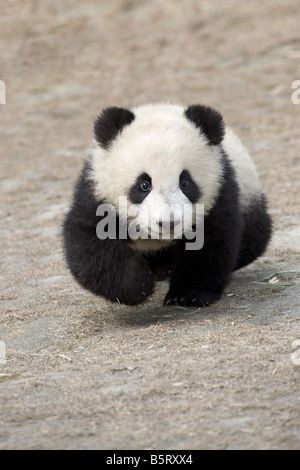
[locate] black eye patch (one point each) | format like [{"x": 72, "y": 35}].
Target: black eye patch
[
  {"x": 188, "y": 186},
  {"x": 140, "y": 189}
]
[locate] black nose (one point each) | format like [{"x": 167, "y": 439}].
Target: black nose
[{"x": 169, "y": 225}]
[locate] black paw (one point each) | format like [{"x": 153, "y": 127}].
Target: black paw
[
  {"x": 188, "y": 298},
  {"x": 136, "y": 283}
]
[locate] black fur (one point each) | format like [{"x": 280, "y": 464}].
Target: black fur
[
  {"x": 110, "y": 268},
  {"x": 192, "y": 192},
  {"x": 208, "y": 120},
  {"x": 162, "y": 262},
  {"x": 136, "y": 193},
  {"x": 110, "y": 123},
  {"x": 257, "y": 230},
  {"x": 200, "y": 277}
]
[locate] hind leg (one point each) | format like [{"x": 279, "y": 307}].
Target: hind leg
[
  {"x": 256, "y": 233},
  {"x": 161, "y": 262}
]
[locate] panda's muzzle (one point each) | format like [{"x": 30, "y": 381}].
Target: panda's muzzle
[{"x": 168, "y": 225}]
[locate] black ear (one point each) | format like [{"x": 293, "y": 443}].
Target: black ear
[
  {"x": 110, "y": 123},
  {"x": 208, "y": 120}
]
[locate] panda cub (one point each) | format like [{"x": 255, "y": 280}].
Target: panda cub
[{"x": 184, "y": 173}]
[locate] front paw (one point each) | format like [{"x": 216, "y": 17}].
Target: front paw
[
  {"x": 190, "y": 298},
  {"x": 136, "y": 282}
]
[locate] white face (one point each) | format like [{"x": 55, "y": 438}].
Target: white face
[
  {"x": 164, "y": 165},
  {"x": 165, "y": 213}
]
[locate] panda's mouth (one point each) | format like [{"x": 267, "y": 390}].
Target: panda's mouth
[
  {"x": 164, "y": 233},
  {"x": 145, "y": 228}
]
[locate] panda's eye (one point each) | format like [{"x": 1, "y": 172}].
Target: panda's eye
[
  {"x": 145, "y": 186},
  {"x": 184, "y": 184}
]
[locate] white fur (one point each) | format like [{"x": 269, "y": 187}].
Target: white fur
[
  {"x": 246, "y": 174},
  {"x": 162, "y": 143}
]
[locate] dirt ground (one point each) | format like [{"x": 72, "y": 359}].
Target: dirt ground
[{"x": 82, "y": 373}]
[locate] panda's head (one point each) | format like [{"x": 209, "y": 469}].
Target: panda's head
[{"x": 163, "y": 158}]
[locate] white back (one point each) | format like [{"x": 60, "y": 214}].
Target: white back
[{"x": 241, "y": 161}]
